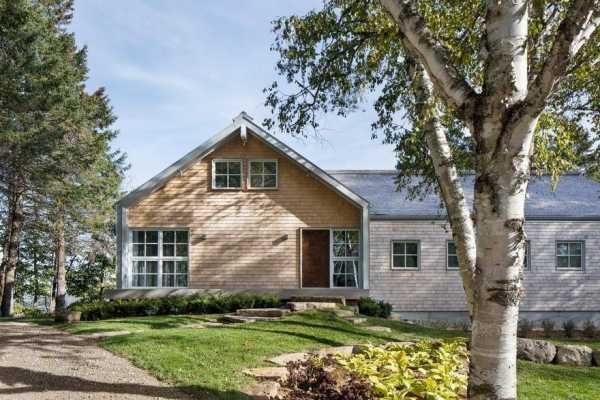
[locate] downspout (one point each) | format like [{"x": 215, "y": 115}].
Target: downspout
[{"x": 365, "y": 246}]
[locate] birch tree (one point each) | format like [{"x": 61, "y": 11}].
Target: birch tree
[{"x": 498, "y": 88}]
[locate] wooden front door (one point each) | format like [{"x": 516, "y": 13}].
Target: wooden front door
[{"x": 315, "y": 258}]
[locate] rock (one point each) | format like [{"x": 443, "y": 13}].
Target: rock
[
  {"x": 574, "y": 355},
  {"x": 378, "y": 328},
  {"x": 539, "y": 351},
  {"x": 596, "y": 357},
  {"x": 303, "y": 306},
  {"x": 284, "y": 359},
  {"x": 356, "y": 320},
  {"x": 262, "y": 312},
  {"x": 263, "y": 390},
  {"x": 268, "y": 373}
]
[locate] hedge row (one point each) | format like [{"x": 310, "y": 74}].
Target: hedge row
[
  {"x": 196, "y": 304},
  {"x": 374, "y": 308}
]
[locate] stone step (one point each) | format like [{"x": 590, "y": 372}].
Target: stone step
[
  {"x": 378, "y": 328},
  {"x": 262, "y": 312},
  {"x": 306, "y": 305},
  {"x": 268, "y": 373},
  {"x": 341, "y": 312},
  {"x": 284, "y": 359},
  {"x": 318, "y": 299},
  {"x": 356, "y": 320},
  {"x": 239, "y": 319}
]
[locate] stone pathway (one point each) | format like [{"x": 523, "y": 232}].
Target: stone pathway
[{"x": 44, "y": 363}]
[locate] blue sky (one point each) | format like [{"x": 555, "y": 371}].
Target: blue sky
[{"x": 179, "y": 71}]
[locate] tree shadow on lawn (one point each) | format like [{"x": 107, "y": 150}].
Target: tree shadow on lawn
[
  {"x": 25, "y": 381},
  {"x": 121, "y": 324}
]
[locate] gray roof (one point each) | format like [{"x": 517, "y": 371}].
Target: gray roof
[{"x": 576, "y": 197}]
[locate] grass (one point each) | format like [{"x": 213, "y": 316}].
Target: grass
[{"x": 210, "y": 360}]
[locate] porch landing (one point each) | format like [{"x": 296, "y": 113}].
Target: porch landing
[{"x": 347, "y": 293}]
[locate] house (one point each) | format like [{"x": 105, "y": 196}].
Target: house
[{"x": 244, "y": 211}]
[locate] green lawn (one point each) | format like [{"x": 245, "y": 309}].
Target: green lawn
[{"x": 210, "y": 360}]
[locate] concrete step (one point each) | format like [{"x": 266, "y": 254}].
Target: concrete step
[{"x": 262, "y": 312}]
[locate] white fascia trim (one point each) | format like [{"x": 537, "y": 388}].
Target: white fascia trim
[
  {"x": 201, "y": 151},
  {"x": 365, "y": 247},
  {"x": 123, "y": 260}
]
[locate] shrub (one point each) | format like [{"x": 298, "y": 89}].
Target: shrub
[
  {"x": 424, "y": 370},
  {"x": 374, "y": 308},
  {"x": 525, "y": 328},
  {"x": 548, "y": 327},
  {"x": 324, "y": 379},
  {"x": 197, "y": 304},
  {"x": 569, "y": 328},
  {"x": 589, "y": 329},
  {"x": 27, "y": 312}
]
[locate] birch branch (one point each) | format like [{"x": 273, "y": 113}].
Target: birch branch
[
  {"x": 458, "y": 210},
  {"x": 452, "y": 87},
  {"x": 579, "y": 24}
]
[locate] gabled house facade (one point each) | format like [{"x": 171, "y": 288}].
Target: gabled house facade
[{"x": 244, "y": 211}]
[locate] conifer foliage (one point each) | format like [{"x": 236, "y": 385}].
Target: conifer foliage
[{"x": 59, "y": 176}]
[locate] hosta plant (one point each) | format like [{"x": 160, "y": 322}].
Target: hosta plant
[{"x": 432, "y": 370}]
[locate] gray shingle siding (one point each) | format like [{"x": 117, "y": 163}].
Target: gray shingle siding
[{"x": 434, "y": 288}]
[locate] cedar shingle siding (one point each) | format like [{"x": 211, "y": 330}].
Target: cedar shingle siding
[
  {"x": 245, "y": 245},
  {"x": 434, "y": 288}
]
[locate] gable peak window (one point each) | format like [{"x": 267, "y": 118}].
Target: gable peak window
[
  {"x": 262, "y": 174},
  {"x": 227, "y": 174}
]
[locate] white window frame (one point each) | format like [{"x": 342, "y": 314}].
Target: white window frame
[
  {"x": 418, "y": 267},
  {"x": 582, "y": 255},
  {"x": 448, "y": 267},
  {"x": 214, "y": 173},
  {"x": 333, "y": 258},
  {"x": 159, "y": 258},
  {"x": 249, "y": 175}
]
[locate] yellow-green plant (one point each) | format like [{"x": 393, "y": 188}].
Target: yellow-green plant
[{"x": 430, "y": 370}]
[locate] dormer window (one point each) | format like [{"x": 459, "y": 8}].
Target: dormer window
[
  {"x": 262, "y": 174},
  {"x": 227, "y": 174}
]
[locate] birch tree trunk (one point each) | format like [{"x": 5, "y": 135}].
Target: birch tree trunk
[
  {"x": 59, "y": 260},
  {"x": 9, "y": 261}
]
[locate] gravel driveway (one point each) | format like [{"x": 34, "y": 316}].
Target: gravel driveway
[{"x": 44, "y": 363}]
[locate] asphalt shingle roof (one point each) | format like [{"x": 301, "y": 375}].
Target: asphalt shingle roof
[{"x": 575, "y": 197}]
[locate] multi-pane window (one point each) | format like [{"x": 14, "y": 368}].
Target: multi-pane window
[
  {"x": 405, "y": 254},
  {"x": 527, "y": 260},
  {"x": 160, "y": 258},
  {"x": 569, "y": 254},
  {"x": 227, "y": 174},
  {"x": 451, "y": 256},
  {"x": 345, "y": 258},
  {"x": 263, "y": 174}
]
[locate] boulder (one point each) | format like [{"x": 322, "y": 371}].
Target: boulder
[
  {"x": 342, "y": 350},
  {"x": 574, "y": 355},
  {"x": 357, "y": 320},
  {"x": 596, "y": 357},
  {"x": 343, "y": 313},
  {"x": 284, "y": 359},
  {"x": 539, "y": 351}
]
